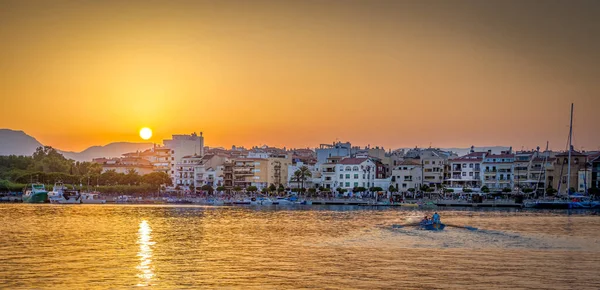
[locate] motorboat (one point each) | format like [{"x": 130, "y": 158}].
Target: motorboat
[
  {"x": 60, "y": 194},
  {"x": 91, "y": 198},
  {"x": 35, "y": 193}
]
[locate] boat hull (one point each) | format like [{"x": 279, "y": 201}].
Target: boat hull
[
  {"x": 433, "y": 227},
  {"x": 37, "y": 197},
  {"x": 65, "y": 201}
]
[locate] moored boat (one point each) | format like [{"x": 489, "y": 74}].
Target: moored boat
[
  {"x": 91, "y": 198},
  {"x": 35, "y": 193},
  {"x": 60, "y": 194}
]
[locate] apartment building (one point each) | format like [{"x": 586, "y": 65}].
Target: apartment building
[
  {"x": 408, "y": 174},
  {"x": 466, "y": 171},
  {"x": 498, "y": 171}
]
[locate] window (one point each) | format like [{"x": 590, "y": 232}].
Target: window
[
  {"x": 341, "y": 168},
  {"x": 347, "y": 176},
  {"x": 576, "y": 160},
  {"x": 403, "y": 185},
  {"x": 470, "y": 173},
  {"x": 355, "y": 168},
  {"x": 433, "y": 162},
  {"x": 356, "y": 184},
  {"x": 355, "y": 176},
  {"x": 348, "y": 168},
  {"x": 427, "y": 162},
  {"x": 341, "y": 176},
  {"x": 347, "y": 184},
  {"x": 470, "y": 165},
  {"x": 464, "y": 174},
  {"x": 364, "y": 176},
  {"x": 464, "y": 165}
]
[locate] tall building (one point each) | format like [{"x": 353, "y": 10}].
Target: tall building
[{"x": 183, "y": 145}]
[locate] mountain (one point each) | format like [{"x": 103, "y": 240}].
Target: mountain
[
  {"x": 110, "y": 150},
  {"x": 17, "y": 143}
]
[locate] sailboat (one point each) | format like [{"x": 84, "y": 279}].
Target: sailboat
[{"x": 572, "y": 201}]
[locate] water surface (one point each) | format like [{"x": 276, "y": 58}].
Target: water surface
[{"x": 125, "y": 246}]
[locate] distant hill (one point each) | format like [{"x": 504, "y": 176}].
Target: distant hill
[
  {"x": 14, "y": 142},
  {"x": 19, "y": 143},
  {"x": 115, "y": 149}
]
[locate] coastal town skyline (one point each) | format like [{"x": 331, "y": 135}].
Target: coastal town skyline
[{"x": 392, "y": 73}]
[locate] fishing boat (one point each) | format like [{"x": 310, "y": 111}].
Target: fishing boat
[
  {"x": 91, "y": 198},
  {"x": 60, "y": 194},
  {"x": 35, "y": 193}
]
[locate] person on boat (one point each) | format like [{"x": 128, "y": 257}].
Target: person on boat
[
  {"x": 425, "y": 220},
  {"x": 436, "y": 218}
]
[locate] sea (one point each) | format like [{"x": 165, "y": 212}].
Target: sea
[{"x": 49, "y": 246}]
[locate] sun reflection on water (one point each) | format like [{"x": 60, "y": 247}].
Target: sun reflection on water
[{"x": 145, "y": 268}]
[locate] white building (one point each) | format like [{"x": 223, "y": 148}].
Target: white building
[
  {"x": 349, "y": 173},
  {"x": 183, "y": 145},
  {"x": 184, "y": 171},
  {"x": 466, "y": 171},
  {"x": 407, "y": 174}
]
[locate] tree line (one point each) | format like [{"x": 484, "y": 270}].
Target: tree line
[{"x": 48, "y": 166}]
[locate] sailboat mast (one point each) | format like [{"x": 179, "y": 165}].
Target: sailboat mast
[
  {"x": 543, "y": 172},
  {"x": 570, "y": 144}
]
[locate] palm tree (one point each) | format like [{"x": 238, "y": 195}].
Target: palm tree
[{"x": 302, "y": 174}]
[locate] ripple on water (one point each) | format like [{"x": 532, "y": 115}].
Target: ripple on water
[{"x": 108, "y": 247}]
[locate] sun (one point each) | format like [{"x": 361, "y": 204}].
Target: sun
[{"x": 145, "y": 133}]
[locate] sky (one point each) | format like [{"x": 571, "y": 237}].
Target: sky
[{"x": 300, "y": 73}]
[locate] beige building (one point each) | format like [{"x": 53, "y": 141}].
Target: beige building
[
  {"x": 277, "y": 169},
  {"x": 560, "y": 177},
  {"x": 245, "y": 172}
]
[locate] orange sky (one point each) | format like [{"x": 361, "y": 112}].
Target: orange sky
[{"x": 399, "y": 74}]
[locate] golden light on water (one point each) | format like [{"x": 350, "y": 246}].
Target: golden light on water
[
  {"x": 146, "y": 133},
  {"x": 145, "y": 268}
]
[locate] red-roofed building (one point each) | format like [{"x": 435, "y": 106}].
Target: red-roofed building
[{"x": 466, "y": 171}]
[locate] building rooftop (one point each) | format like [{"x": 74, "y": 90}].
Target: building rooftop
[
  {"x": 350, "y": 161},
  {"x": 410, "y": 162}
]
